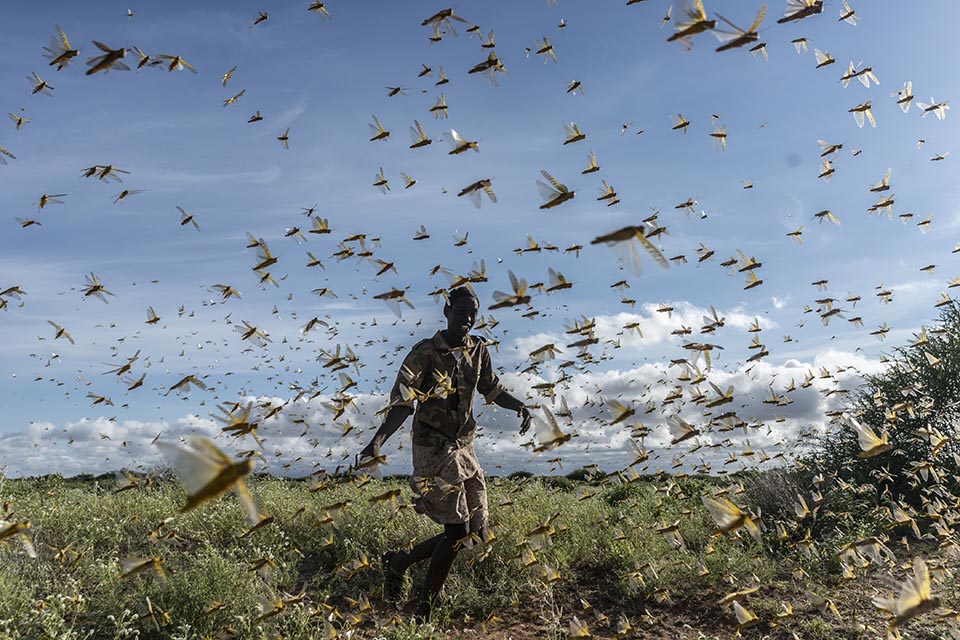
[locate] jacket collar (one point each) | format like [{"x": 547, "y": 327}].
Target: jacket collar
[{"x": 441, "y": 344}]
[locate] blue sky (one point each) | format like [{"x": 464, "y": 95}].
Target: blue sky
[{"x": 324, "y": 80}]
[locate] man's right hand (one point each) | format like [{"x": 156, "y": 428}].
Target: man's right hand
[
  {"x": 525, "y": 419},
  {"x": 393, "y": 421},
  {"x": 371, "y": 449}
]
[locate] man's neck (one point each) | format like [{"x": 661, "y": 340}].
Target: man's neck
[{"x": 450, "y": 340}]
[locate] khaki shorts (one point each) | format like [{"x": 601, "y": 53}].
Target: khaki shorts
[{"x": 450, "y": 485}]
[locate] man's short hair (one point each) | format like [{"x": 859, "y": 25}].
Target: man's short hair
[{"x": 461, "y": 293}]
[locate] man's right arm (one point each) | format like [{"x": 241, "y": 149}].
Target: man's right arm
[
  {"x": 401, "y": 406},
  {"x": 394, "y": 420}
]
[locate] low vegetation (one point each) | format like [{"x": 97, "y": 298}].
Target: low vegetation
[{"x": 636, "y": 560}]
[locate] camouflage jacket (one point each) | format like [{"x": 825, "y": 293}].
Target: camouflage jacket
[{"x": 441, "y": 381}]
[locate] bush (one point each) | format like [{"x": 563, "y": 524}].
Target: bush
[
  {"x": 559, "y": 482},
  {"x": 916, "y": 401},
  {"x": 579, "y": 475},
  {"x": 773, "y": 492}
]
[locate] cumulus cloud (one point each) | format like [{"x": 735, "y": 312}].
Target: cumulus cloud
[
  {"x": 774, "y": 403},
  {"x": 656, "y": 330}
]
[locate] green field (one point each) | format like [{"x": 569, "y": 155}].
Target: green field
[{"x": 605, "y": 563}]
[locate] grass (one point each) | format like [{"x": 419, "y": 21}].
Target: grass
[{"x": 605, "y": 559}]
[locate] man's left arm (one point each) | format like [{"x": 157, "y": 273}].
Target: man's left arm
[{"x": 489, "y": 385}]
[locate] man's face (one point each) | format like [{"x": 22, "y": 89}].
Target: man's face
[{"x": 460, "y": 316}]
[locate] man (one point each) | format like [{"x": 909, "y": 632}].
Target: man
[{"x": 441, "y": 374}]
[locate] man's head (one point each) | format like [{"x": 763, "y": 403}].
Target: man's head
[{"x": 461, "y": 312}]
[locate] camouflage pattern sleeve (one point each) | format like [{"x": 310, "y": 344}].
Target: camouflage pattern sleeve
[
  {"x": 488, "y": 384},
  {"x": 409, "y": 378}
]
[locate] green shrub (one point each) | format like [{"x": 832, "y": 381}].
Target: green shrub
[{"x": 909, "y": 400}]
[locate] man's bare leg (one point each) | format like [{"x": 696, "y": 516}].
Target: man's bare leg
[
  {"x": 440, "y": 562},
  {"x": 403, "y": 560},
  {"x": 395, "y": 564}
]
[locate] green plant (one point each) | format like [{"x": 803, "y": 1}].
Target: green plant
[{"x": 915, "y": 400}]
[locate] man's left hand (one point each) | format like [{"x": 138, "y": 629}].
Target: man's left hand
[{"x": 525, "y": 418}]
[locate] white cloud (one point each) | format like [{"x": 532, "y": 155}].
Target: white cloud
[
  {"x": 920, "y": 292},
  {"x": 287, "y": 117},
  {"x": 303, "y": 436},
  {"x": 657, "y": 327}
]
